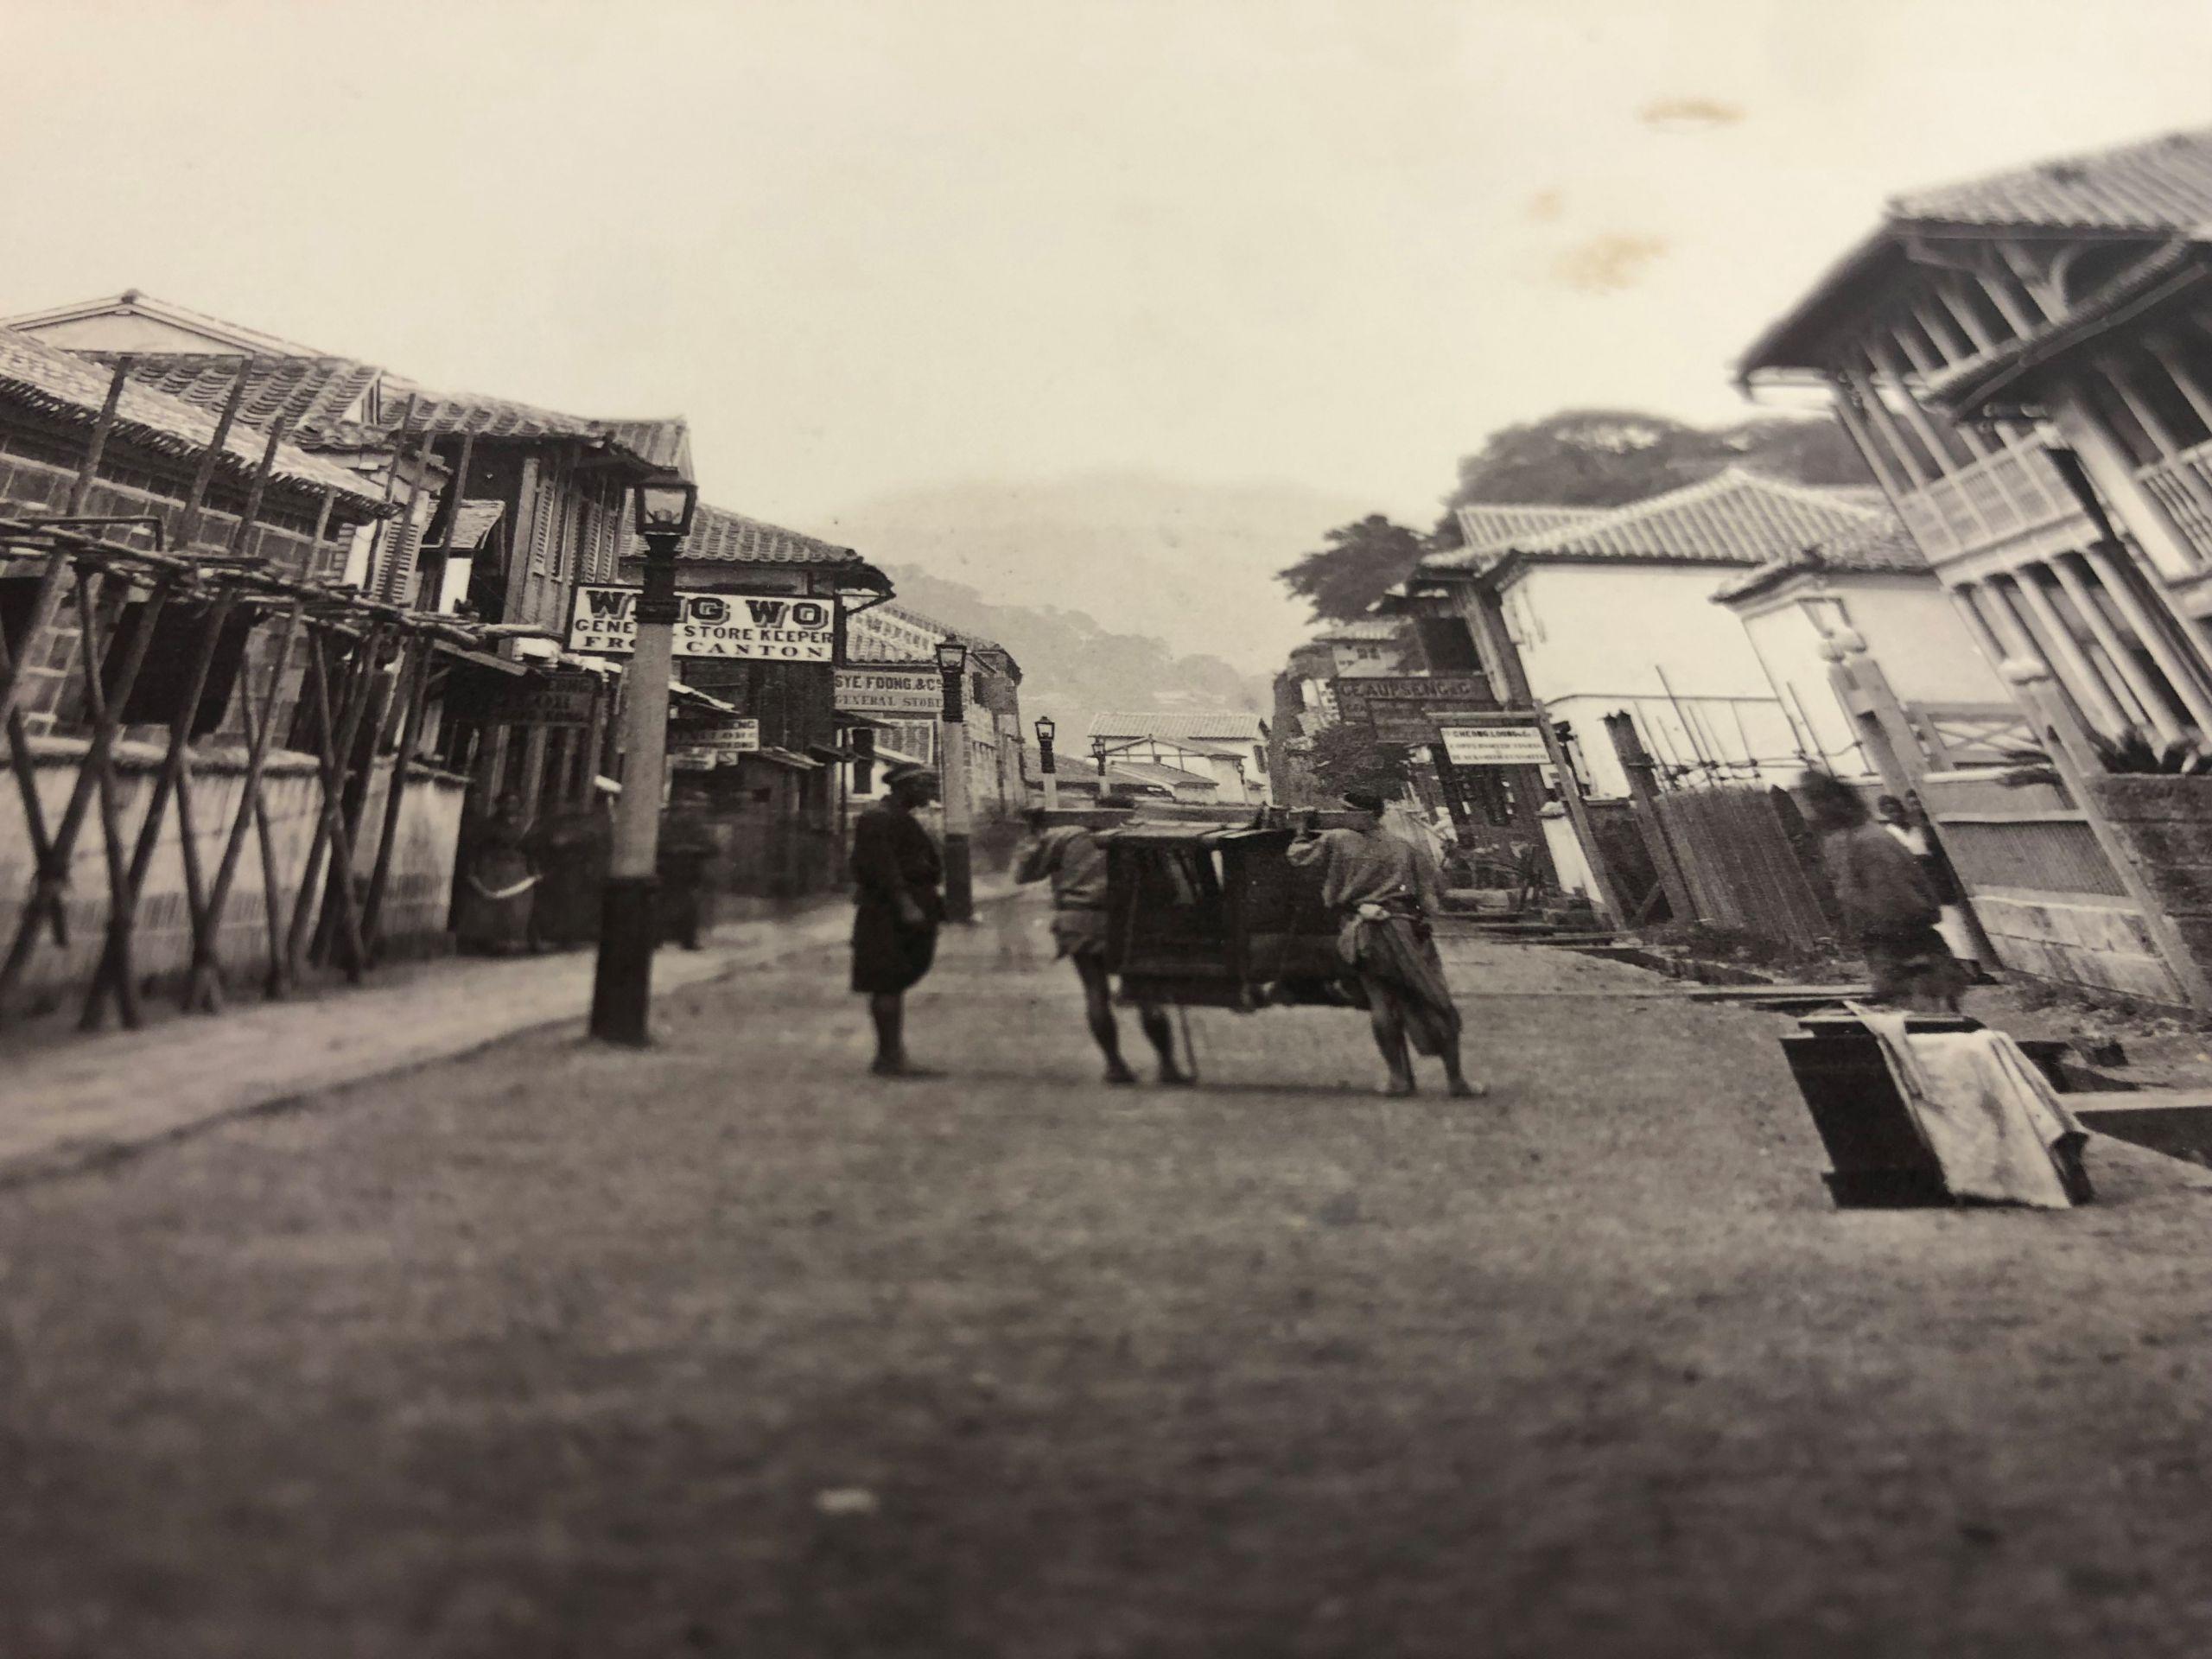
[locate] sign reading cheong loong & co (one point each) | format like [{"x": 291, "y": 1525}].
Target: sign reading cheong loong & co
[
  {"x": 1502, "y": 744},
  {"x": 743, "y": 626},
  {"x": 891, "y": 692}
]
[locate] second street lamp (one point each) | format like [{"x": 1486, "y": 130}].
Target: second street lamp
[
  {"x": 1046, "y": 729},
  {"x": 959, "y": 878},
  {"x": 622, "y": 988}
]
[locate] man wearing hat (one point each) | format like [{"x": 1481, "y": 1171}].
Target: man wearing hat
[
  {"x": 1382, "y": 890},
  {"x": 897, "y": 873},
  {"x": 1070, "y": 855}
]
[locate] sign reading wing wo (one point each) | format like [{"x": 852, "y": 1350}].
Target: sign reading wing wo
[{"x": 747, "y": 626}]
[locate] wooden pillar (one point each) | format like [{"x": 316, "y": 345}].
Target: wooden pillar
[
  {"x": 2184, "y": 670},
  {"x": 2149, "y": 699},
  {"x": 2082, "y": 677},
  {"x": 1854, "y": 422},
  {"x": 1885, "y": 422},
  {"x": 1570, "y": 794},
  {"x": 2163, "y": 543},
  {"x": 1644, "y": 795}
]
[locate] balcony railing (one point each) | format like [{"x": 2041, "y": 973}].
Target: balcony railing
[
  {"x": 2183, "y": 484},
  {"x": 1998, "y": 497}
]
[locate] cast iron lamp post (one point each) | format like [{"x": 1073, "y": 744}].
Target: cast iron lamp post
[
  {"x": 1045, "y": 730},
  {"x": 959, "y": 877},
  {"x": 621, "y": 987}
]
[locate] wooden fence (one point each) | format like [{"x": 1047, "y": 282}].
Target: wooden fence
[{"x": 1746, "y": 861}]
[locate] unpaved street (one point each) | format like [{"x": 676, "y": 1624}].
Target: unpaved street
[{"x": 731, "y": 1348}]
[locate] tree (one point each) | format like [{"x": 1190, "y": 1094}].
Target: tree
[
  {"x": 1607, "y": 457},
  {"x": 1360, "y": 563},
  {"x": 1347, "y": 756}
]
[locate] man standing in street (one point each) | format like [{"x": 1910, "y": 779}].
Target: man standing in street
[
  {"x": 1382, "y": 892},
  {"x": 1071, "y": 857},
  {"x": 896, "y": 873}
]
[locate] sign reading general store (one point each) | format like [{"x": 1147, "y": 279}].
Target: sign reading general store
[
  {"x": 1503, "y": 744},
  {"x": 890, "y": 692},
  {"x": 745, "y": 627}
]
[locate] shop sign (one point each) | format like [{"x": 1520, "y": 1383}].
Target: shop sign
[
  {"x": 890, "y": 693},
  {"x": 745, "y": 628},
  {"x": 556, "y": 697},
  {"x": 1501, "y": 745},
  {"x": 696, "y": 748}
]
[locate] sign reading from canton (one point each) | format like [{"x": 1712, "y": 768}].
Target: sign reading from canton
[
  {"x": 1516, "y": 744},
  {"x": 700, "y": 748},
  {"x": 890, "y": 692},
  {"x": 743, "y": 626}
]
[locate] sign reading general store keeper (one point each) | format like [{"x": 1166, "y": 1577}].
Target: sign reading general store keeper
[
  {"x": 751, "y": 628},
  {"x": 890, "y": 691}
]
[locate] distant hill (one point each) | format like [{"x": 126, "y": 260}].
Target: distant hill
[
  {"x": 1190, "y": 565},
  {"x": 1071, "y": 667}
]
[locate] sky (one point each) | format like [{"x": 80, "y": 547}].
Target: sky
[{"x": 870, "y": 247}]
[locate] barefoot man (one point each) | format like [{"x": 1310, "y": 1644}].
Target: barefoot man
[
  {"x": 1382, "y": 890},
  {"x": 1076, "y": 863},
  {"x": 897, "y": 910}
]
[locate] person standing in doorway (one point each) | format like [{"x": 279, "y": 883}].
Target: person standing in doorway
[
  {"x": 1072, "y": 858},
  {"x": 1907, "y": 822},
  {"x": 898, "y": 874},
  {"x": 1383, "y": 892}
]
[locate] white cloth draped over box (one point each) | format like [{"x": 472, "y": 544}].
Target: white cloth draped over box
[{"x": 1991, "y": 1119}]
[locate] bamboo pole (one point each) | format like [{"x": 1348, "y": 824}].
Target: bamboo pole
[
  {"x": 204, "y": 986},
  {"x": 48, "y": 599}
]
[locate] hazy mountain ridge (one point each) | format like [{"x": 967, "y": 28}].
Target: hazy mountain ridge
[
  {"x": 1071, "y": 667},
  {"x": 1191, "y": 565}
]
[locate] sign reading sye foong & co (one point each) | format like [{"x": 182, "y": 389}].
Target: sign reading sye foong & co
[
  {"x": 915, "y": 692},
  {"x": 747, "y": 626}
]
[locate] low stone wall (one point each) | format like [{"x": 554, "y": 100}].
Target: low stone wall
[
  {"x": 2092, "y": 943},
  {"x": 418, "y": 888},
  {"x": 2164, "y": 826}
]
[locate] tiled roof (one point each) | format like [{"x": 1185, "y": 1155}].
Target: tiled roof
[
  {"x": 313, "y": 391},
  {"x": 339, "y": 404},
  {"x": 64, "y": 385},
  {"x": 1485, "y": 524},
  {"x": 1882, "y": 547},
  {"x": 1222, "y": 725},
  {"x": 2157, "y": 185},
  {"x": 661, "y": 443},
  {"x": 1737, "y": 516},
  {"x": 719, "y": 534}
]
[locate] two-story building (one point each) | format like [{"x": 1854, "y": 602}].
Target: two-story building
[
  {"x": 1227, "y": 745},
  {"x": 894, "y": 639},
  {"x": 2026, "y": 361}
]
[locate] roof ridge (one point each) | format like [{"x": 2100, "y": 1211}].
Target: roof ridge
[{"x": 2054, "y": 169}]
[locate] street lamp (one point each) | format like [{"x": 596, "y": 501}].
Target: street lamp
[
  {"x": 622, "y": 988},
  {"x": 959, "y": 878},
  {"x": 1045, "y": 730}
]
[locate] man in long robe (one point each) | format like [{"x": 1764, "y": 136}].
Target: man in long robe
[
  {"x": 1890, "y": 909},
  {"x": 898, "y": 908},
  {"x": 1381, "y": 892},
  {"x": 1072, "y": 858}
]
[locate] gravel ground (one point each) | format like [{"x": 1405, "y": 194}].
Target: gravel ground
[{"x": 556, "y": 1351}]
